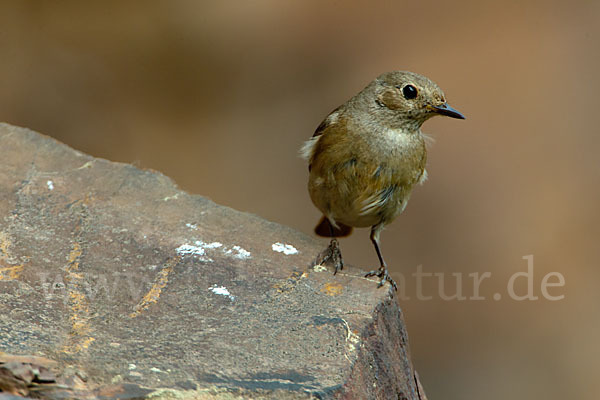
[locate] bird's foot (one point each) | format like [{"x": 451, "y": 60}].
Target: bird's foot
[
  {"x": 332, "y": 254},
  {"x": 382, "y": 273}
]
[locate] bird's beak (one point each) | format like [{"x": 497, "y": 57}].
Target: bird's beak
[{"x": 446, "y": 110}]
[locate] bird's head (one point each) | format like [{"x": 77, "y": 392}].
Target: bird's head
[{"x": 407, "y": 98}]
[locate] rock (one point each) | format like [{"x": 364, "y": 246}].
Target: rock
[{"x": 136, "y": 289}]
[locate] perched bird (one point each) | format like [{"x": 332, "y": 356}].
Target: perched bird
[{"x": 366, "y": 156}]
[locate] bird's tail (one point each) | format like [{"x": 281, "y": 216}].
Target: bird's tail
[{"x": 325, "y": 229}]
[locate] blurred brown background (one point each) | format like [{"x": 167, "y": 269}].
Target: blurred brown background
[{"x": 220, "y": 95}]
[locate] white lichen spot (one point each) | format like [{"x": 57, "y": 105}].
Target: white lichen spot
[
  {"x": 188, "y": 249},
  {"x": 154, "y": 369},
  {"x": 286, "y": 249},
  {"x": 319, "y": 268},
  {"x": 198, "y": 249},
  {"x": 191, "y": 226},
  {"x": 221, "y": 290},
  {"x": 238, "y": 252},
  {"x": 50, "y": 185},
  {"x": 201, "y": 249},
  {"x": 212, "y": 245},
  {"x": 173, "y": 197}
]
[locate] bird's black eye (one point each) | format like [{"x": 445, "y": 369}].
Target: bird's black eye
[{"x": 409, "y": 92}]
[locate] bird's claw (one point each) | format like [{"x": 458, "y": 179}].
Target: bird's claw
[
  {"x": 382, "y": 273},
  {"x": 332, "y": 253}
]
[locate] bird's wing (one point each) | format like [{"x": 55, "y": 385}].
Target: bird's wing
[
  {"x": 309, "y": 147},
  {"x": 332, "y": 118}
]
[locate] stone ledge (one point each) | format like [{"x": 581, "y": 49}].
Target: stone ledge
[{"x": 136, "y": 289}]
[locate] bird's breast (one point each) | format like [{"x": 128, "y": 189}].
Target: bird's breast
[{"x": 400, "y": 154}]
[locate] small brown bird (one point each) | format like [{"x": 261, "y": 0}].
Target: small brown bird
[{"x": 367, "y": 155}]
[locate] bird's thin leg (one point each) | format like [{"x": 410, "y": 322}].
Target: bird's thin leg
[
  {"x": 332, "y": 252},
  {"x": 382, "y": 272}
]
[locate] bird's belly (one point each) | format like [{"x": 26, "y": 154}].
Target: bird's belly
[
  {"x": 358, "y": 205},
  {"x": 357, "y": 220},
  {"x": 366, "y": 188}
]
